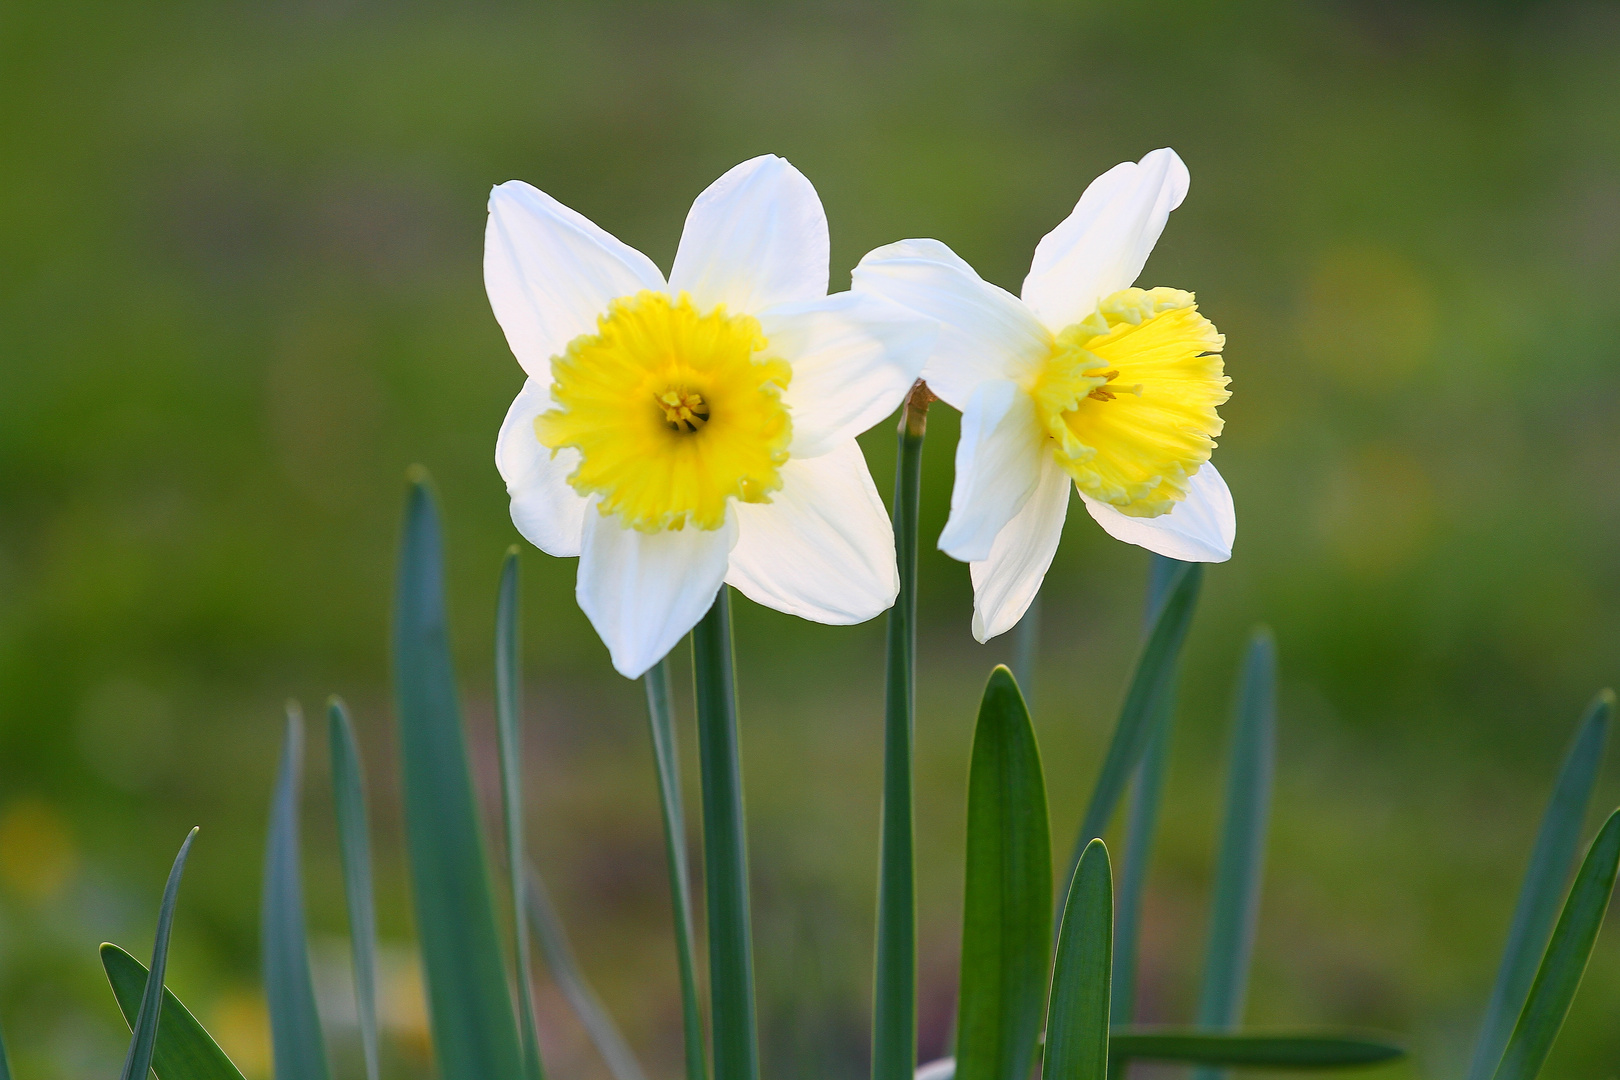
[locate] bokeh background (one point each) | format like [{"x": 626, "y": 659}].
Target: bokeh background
[{"x": 240, "y": 291}]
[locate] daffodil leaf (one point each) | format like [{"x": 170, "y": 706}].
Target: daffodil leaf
[
  {"x": 509, "y": 723},
  {"x": 1564, "y": 962},
  {"x": 570, "y": 979},
  {"x": 1077, "y": 1017},
  {"x": 1551, "y": 861},
  {"x": 1150, "y": 684},
  {"x": 184, "y": 1050},
  {"x": 5, "y": 1062},
  {"x": 289, "y": 991},
  {"x": 894, "y": 1000},
  {"x": 354, "y": 848},
  {"x": 1238, "y": 868},
  {"x": 1007, "y": 902},
  {"x": 469, "y": 1003},
  {"x": 1142, "y": 815},
  {"x": 1249, "y": 1050},
  {"x": 144, "y": 1030},
  {"x": 666, "y": 757},
  {"x": 725, "y": 851}
]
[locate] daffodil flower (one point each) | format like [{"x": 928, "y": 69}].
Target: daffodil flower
[
  {"x": 679, "y": 434},
  {"x": 1083, "y": 379}
]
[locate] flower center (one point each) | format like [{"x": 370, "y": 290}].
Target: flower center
[
  {"x": 674, "y": 412},
  {"x": 1128, "y": 398}
]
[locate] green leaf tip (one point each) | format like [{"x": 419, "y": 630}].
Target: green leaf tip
[
  {"x": 417, "y": 476},
  {"x": 143, "y": 1041},
  {"x": 1077, "y": 1016},
  {"x": 184, "y": 1049}
]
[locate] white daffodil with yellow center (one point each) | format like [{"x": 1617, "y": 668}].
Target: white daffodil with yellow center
[
  {"x": 677, "y": 435},
  {"x": 1083, "y": 380}
]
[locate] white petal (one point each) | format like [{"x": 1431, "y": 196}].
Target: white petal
[
  {"x": 985, "y": 332},
  {"x": 1200, "y": 529},
  {"x": 822, "y": 548},
  {"x": 755, "y": 237},
  {"x": 550, "y": 272},
  {"x": 998, "y": 464},
  {"x": 546, "y": 510},
  {"x": 1005, "y": 584},
  {"x": 644, "y": 591},
  {"x": 1101, "y": 247},
  {"x": 854, "y": 357}
]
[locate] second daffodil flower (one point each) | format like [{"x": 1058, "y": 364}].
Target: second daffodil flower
[
  {"x": 1083, "y": 379},
  {"x": 677, "y": 435}
]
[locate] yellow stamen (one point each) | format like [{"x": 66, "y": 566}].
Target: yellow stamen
[
  {"x": 1128, "y": 398},
  {"x": 674, "y": 412}
]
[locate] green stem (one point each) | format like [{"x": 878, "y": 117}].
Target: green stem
[
  {"x": 894, "y": 999},
  {"x": 666, "y": 756},
  {"x": 1026, "y": 646},
  {"x": 725, "y": 850}
]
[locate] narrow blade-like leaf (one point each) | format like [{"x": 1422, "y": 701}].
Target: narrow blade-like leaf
[
  {"x": 666, "y": 757},
  {"x": 566, "y": 973},
  {"x": 295, "y": 1026},
  {"x": 1077, "y": 1018},
  {"x": 1007, "y": 901},
  {"x": 184, "y": 1050},
  {"x": 1152, "y": 680},
  {"x": 354, "y": 848},
  {"x": 1564, "y": 962},
  {"x": 1551, "y": 860},
  {"x": 5, "y": 1062},
  {"x": 725, "y": 849},
  {"x": 894, "y": 992},
  {"x": 1142, "y": 815},
  {"x": 143, "y": 1041},
  {"x": 1303, "y": 1050},
  {"x": 469, "y": 1003},
  {"x": 1238, "y": 869},
  {"x": 509, "y": 721}
]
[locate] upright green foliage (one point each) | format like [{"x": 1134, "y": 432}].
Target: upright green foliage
[
  {"x": 1077, "y": 1017},
  {"x": 1564, "y": 962},
  {"x": 1236, "y": 908},
  {"x": 1142, "y": 816},
  {"x": 1550, "y": 861},
  {"x": 666, "y": 758},
  {"x": 509, "y": 721},
  {"x": 354, "y": 848},
  {"x": 184, "y": 1051},
  {"x": 143, "y": 1041},
  {"x": 894, "y": 998},
  {"x": 1151, "y": 682},
  {"x": 474, "y": 1037},
  {"x": 5, "y": 1062},
  {"x": 1007, "y": 901},
  {"x": 725, "y": 851},
  {"x": 566, "y": 973},
  {"x": 289, "y": 992}
]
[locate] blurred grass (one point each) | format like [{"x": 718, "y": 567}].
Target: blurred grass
[{"x": 240, "y": 290}]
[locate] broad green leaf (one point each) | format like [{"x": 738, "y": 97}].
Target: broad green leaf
[
  {"x": 1238, "y": 869},
  {"x": 1007, "y": 901},
  {"x": 1077, "y": 1018},
  {"x": 666, "y": 756},
  {"x": 725, "y": 851},
  {"x": 1142, "y": 815},
  {"x": 509, "y": 722},
  {"x": 894, "y": 997},
  {"x": 566, "y": 973},
  {"x": 143, "y": 1040},
  {"x": 289, "y": 992},
  {"x": 354, "y": 848},
  {"x": 1152, "y": 681},
  {"x": 1295, "y": 1051},
  {"x": 469, "y": 1002},
  {"x": 1551, "y": 861},
  {"x": 1564, "y": 962},
  {"x": 184, "y": 1051}
]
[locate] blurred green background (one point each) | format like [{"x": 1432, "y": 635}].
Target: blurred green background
[{"x": 240, "y": 291}]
